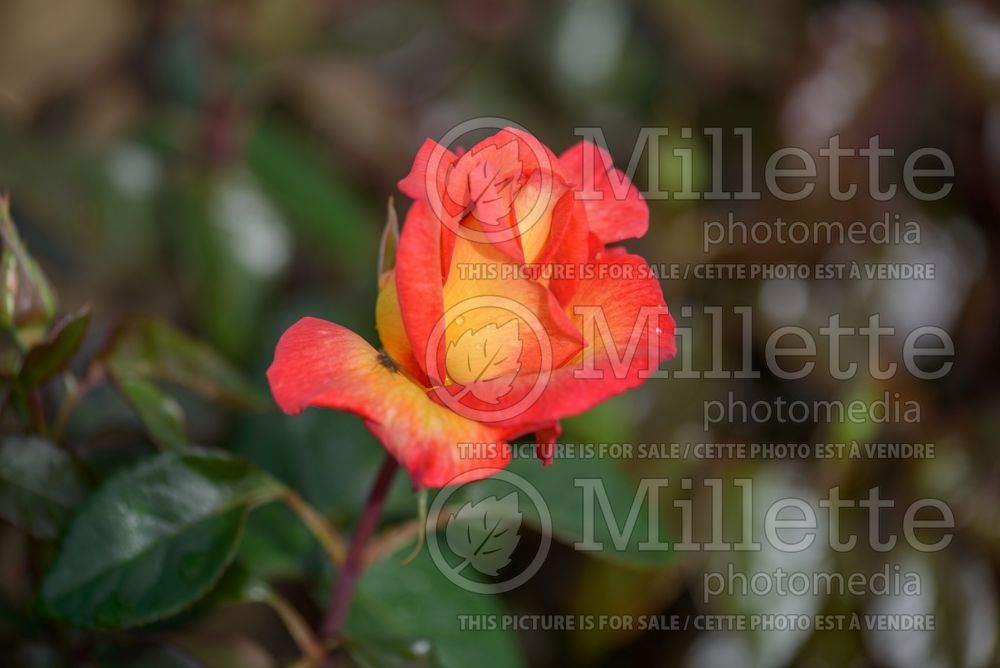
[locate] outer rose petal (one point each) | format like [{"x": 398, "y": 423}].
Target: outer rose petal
[
  {"x": 414, "y": 184},
  {"x": 319, "y": 363},
  {"x": 621, "y": 212},
  {"x": 419, "y": 278},
  {"x": 568, "y": 246},
  {"x": 622, "y": 301}
]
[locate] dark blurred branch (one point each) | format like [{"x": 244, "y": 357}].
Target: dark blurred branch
[{"x": 320, "y": 528}]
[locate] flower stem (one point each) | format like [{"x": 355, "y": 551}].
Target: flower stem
[{"x": 336, "y": 614}]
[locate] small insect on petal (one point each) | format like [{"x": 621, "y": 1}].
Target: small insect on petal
[{"x": 387, "y": 362}]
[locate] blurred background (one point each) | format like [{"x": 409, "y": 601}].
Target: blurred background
[{"x": 226, "y": 165}]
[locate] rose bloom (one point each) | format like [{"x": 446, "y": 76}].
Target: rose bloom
[{"x": 505, "y": 310}]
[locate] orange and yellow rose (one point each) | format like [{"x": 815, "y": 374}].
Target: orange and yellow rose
[{"x": 505, "y": 310}]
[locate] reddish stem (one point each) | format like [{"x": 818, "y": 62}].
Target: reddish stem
[{"x": 336, "y": 614}]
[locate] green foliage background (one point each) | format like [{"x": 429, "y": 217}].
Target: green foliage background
[{"x": 223, "y": 167}]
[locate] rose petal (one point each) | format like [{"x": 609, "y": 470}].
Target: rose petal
[
  {"x": 615, "y": 209},
  {"x": 624, "y": 303},
  {"x": 319, "y": 363},
  {"x": 478, "y": 293},
  {"x": 568, "y": 248},
  {"x": 433, "y": 156},
  {"x": 419, "y": 279}
]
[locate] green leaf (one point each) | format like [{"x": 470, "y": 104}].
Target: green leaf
[
  {"x": 277, "y": 545},
  {"x": 26, "y": 297},
  {"x": 52, "y": 355},
  {"x": 162, "y": 415},
  {"x": 328, "y": 456},
  {"x": 233, "y": 246},
  {"x": 154, "y": 350},
  {"x": 154, "y": 539},
  {"x": 604, "y": 588},
  {"x": 40, "y": 485},
  {"x": 564, "y": 500},
  {"x": 240, "y": 585},
  {"x": 418, "y": 603},
  {"x": 317, "y": 202}
]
